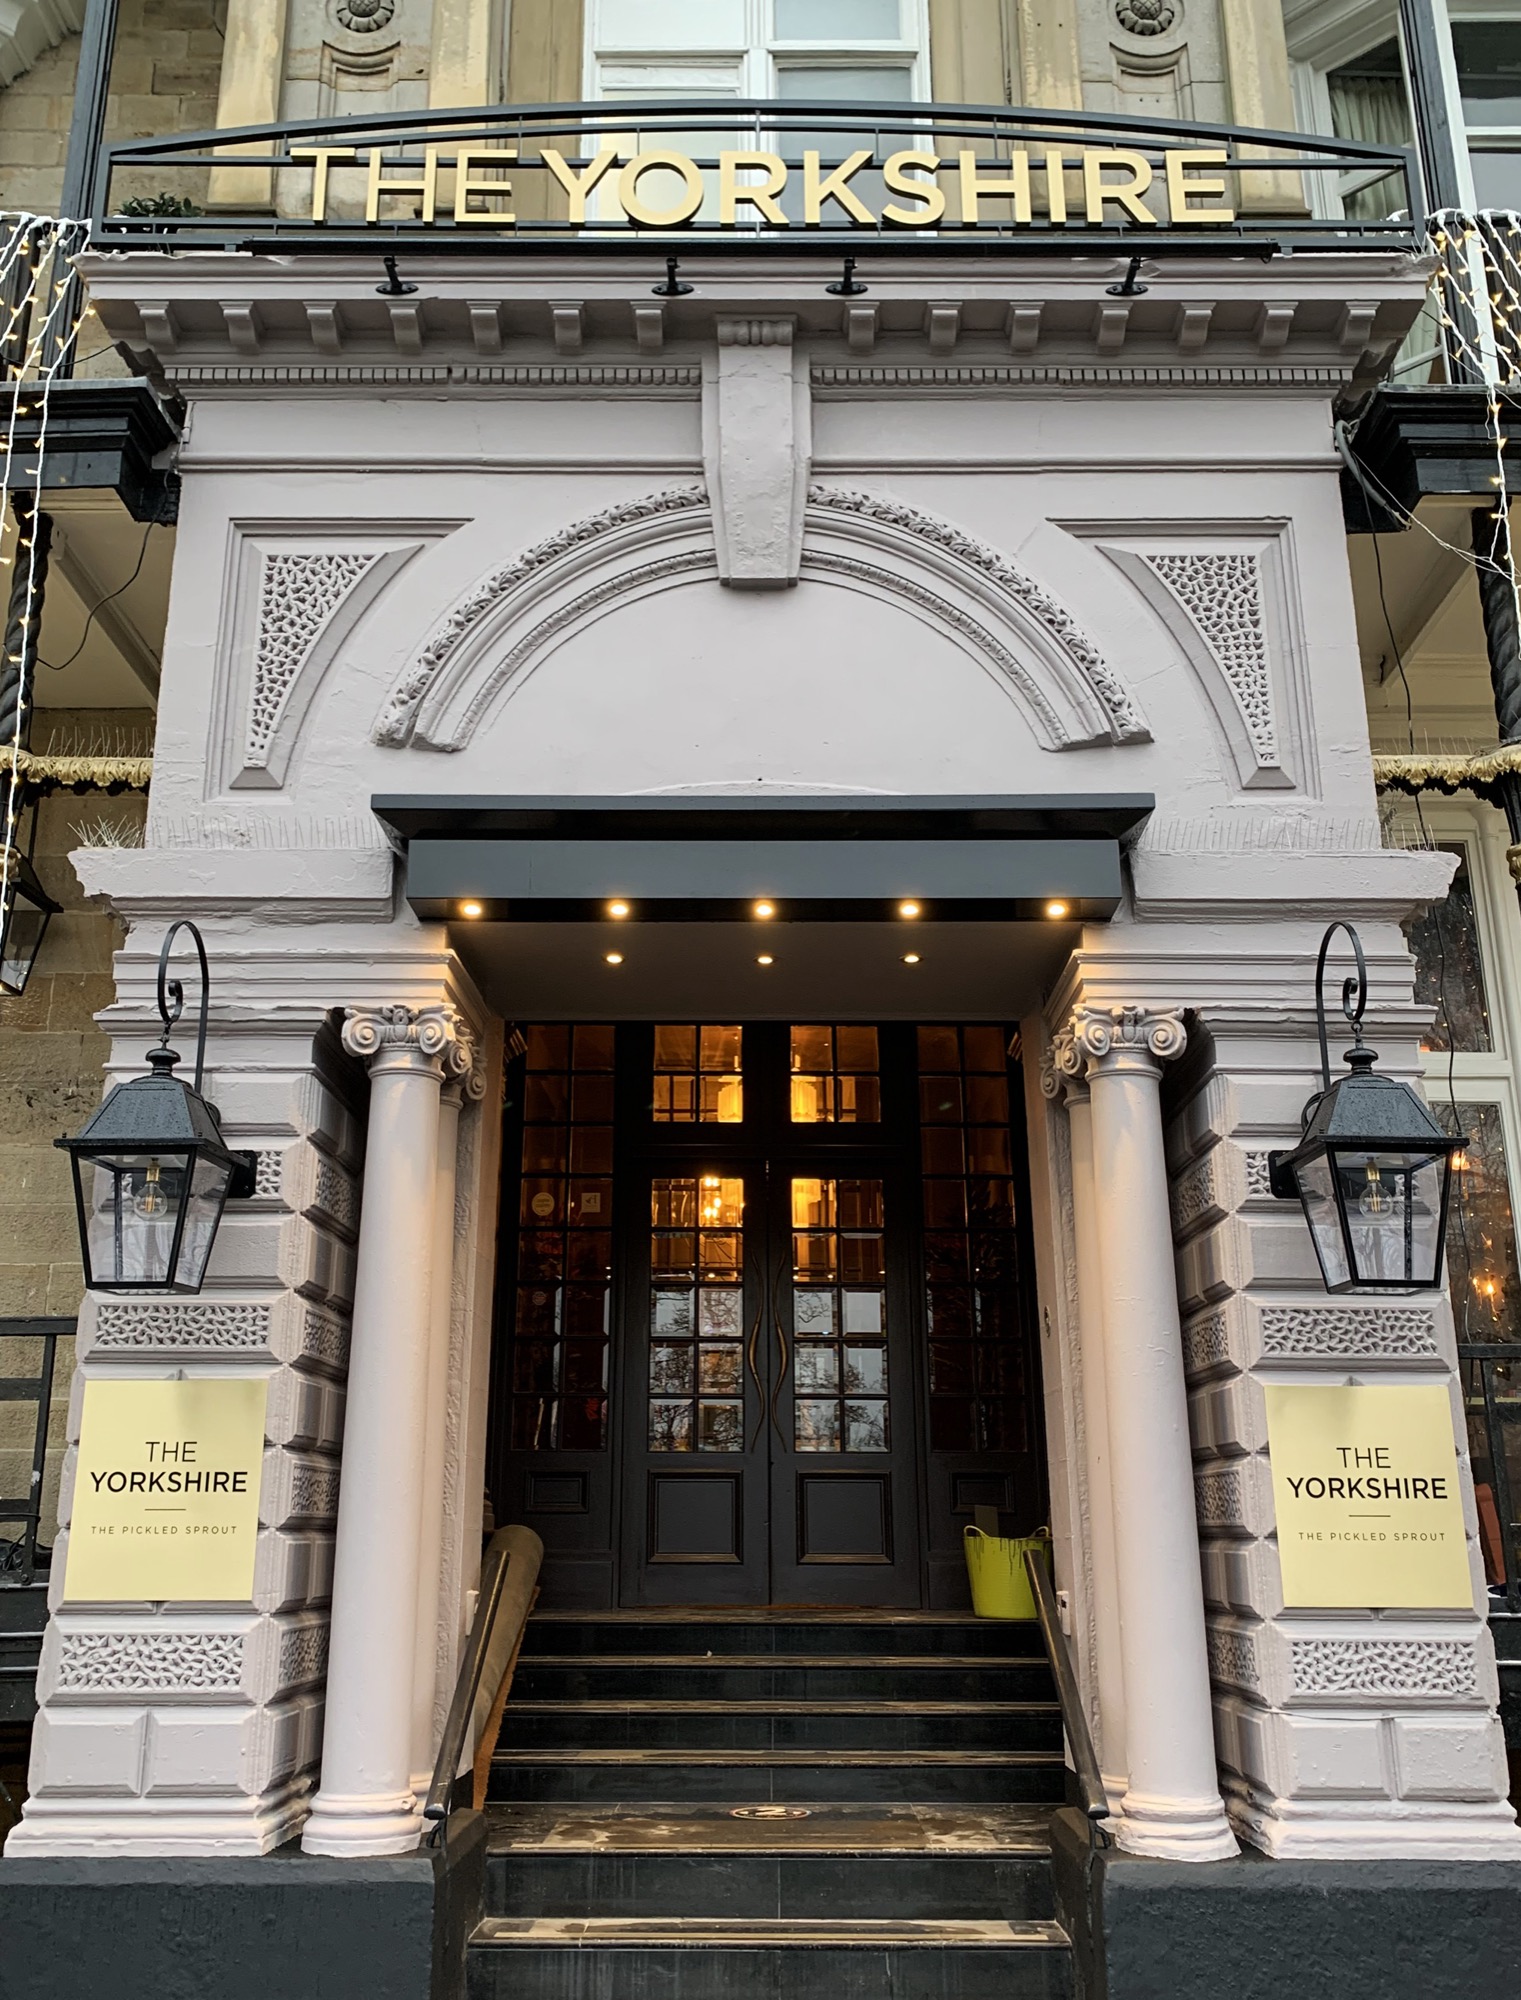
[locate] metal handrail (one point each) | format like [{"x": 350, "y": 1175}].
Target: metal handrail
[
  {"x": 509, "y": 1575},
  {"x": 1090, "y": 1783}
]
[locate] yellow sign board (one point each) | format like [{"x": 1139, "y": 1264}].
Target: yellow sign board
[
  {"x": 166, "y": 1494},
  {"x": 1365, "y": 1487}
]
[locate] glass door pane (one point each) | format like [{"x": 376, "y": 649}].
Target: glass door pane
[
  {"x": 696, "y": 1314},
  {"x": 839, "y": 1317}
]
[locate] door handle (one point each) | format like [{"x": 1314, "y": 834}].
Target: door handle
[
  {"x": 760, "y": 1422},
  {"x": 781, "y": 1373}
]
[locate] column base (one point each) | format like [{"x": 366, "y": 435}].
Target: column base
[
  {"x": 96, "y": 1828},
  {"x": 1441, "y": 1833},
  {"x": 363, "y": 1823},
  {"x": 1171, "y": 1829}
]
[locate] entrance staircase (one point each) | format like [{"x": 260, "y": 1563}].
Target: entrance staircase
[{"x": 816, "y": 1805}]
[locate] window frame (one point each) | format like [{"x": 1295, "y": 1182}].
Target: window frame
[
  {"x": 757, "y": 65},
  {"x": 1483, "y": 1076}
]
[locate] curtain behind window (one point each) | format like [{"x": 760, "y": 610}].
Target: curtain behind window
[{"x": 1368, "y": 103}]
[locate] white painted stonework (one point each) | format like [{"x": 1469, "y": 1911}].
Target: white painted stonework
[{"x": 1028, "y": 547}]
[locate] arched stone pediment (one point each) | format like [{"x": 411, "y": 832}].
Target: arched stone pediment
[{"x": 1015, "y": 630}]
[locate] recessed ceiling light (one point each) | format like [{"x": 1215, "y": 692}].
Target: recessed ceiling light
[
  {"x": 617, "y": 909},
  {"x": 765, "y": 959},
  {"x": 1056, "y": 909},
  {"x": 472, "y": 909},
  {"x": 910, "y": 958},
  {"x": 615, "y": 958},
  {"x": 908, "y": 909},
  {"x": 765, "y": 909}
]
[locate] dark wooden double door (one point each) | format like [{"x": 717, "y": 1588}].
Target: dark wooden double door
[
  {"x": 771, "y": 1336},
  {"x": 769, "y": 1451}
]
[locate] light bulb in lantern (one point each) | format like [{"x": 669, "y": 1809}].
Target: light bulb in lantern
[
  {"x": 1375, "y": 1202},
  {"x": 150, "y": 1201}
]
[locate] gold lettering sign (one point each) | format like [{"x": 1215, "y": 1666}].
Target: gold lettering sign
[
  {"x": 666, "y": 189},
  {"x": 166, "y": 1492},
  {"x": 1365, "y": 1488}
]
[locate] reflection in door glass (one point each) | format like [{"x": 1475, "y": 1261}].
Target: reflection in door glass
[
  {"x": 565, "y": 1243},
  {"x": 698, "y": 1076},
  {"x": 971, "y": 1250},
  {"x": 839, "y": 1317},
  {"x": 696, "y": 1393}
]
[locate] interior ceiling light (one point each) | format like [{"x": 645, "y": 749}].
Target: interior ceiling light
[
  {"x": 765, "y": 959},
  {"x": 1056, "y": 909},
  {"x": 615, "y": 958},
  {"x": 910, "y": 958},
  {"x": 909, "y": 909},
  {"x": 617, "y": 909},
  {"x": 472, "y": 909},
  {"x": 764, "y": 909}
]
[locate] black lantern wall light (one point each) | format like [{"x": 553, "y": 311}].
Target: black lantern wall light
[
  {"x": 152, "y": 1172},
  {"x": 1373, "y": 1168}
]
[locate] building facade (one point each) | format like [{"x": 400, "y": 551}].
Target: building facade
[{"x": 762, "y": 826}]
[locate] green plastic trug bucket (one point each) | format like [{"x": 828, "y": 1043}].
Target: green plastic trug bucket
[{"x": 995, "y": 1565}]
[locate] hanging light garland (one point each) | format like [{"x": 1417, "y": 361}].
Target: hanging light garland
[{"x": 41, "y": 311}]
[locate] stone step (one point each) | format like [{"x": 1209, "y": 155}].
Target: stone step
[
  {"x": 683, "y": 1633},
  {"x": 647, "y": 1724},
  {"x": 785, "y": 1677},
  {"x": 874, "y": 1861},
  {"x": 705, "y": 1958},
  {"x": 734, "y": 1777}
]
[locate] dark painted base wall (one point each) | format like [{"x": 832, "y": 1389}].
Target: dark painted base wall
[
  {"x": 1257, "y": 1929},
  {"x": 274, "y": 1928}
]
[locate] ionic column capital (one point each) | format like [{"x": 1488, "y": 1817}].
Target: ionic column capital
[
  {"x": 464, "y": 1071},
  {"x": 1119, "y": 1038},
  {"x": 1063, "y": 1068},
  {"x": 431, "y": 1041}
]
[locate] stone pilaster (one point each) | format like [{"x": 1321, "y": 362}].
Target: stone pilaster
[
  {"x": 182, "y": 1728},
  {"x": 1356, "y": 1733}
]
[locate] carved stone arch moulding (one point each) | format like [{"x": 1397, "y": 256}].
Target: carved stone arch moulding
[
  {"x": 1015, "y": 630},
  {"x": 297, "y": 596},
  {"x": 1228, "y": 602}
]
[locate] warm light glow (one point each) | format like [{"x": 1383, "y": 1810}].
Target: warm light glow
[
  {"x": 615, "y": 958},
  {"x": 765, "y": 959},
  {"x": 765, "y": 909},
  {"x": 1056, "y": 909},
  {"x": 910, "y": 958},
  {"x": 472, "y": 909},
  {"x": 908, "y": 909},
  {"x": 617, "y": 909},
  {"x": 1460, "y": 1163}
]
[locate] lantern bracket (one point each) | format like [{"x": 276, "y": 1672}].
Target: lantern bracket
[
  {"x": 1354, "y": 997},
  {"x": 171, "y": 1005}
]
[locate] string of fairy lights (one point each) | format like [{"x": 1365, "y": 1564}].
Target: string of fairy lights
[{"x": 41, "y": 312}]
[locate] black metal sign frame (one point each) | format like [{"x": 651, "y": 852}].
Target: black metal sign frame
[{"x": 866, "y": 177}]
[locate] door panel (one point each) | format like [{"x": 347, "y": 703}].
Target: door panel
[
  {"x": 844, "y": 1514},
  {"x": 695, "y": 1453}
]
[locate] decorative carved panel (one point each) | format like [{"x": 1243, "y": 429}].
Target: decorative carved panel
[
  {"x": 1386, "y": 1669},
  {"x": 144, "y": 1663}
]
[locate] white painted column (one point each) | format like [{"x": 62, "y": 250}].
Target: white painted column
[
  {"x": 365, "y": 1803},
  {"x": 1102, "y": 1565},
  {"x": 431, "y": 1514},
  {"x": 1172, "y": 1806}
]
